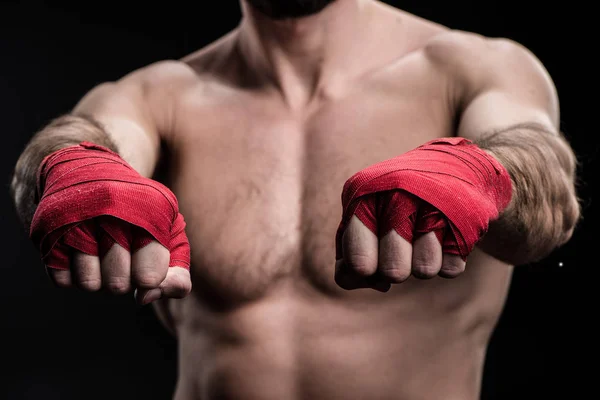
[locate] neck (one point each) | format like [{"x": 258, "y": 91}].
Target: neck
[{"x": 299, "y": 56}]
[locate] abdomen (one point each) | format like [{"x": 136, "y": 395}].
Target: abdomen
[{"x": 423, "y": 339}]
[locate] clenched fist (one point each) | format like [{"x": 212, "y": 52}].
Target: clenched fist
[
  {"x": 99, "y": 224},
  {"x": 418, "y": 214}
]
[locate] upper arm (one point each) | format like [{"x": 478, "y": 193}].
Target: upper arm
[
  {"x": 497, "y": 83},
  {"x": 136, "y": 110}
]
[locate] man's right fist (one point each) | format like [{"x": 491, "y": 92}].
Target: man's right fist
[{"x": 99, "y": 224}]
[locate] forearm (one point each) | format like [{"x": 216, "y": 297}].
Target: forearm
[
  {"x": 62, "y": 132},
  {"x": 544, "y": 208}
]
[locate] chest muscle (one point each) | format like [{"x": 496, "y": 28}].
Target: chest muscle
[{"x": 260, "y": 189}]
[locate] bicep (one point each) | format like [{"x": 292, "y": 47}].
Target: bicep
[
  {"x": 121, "y": 108},
  {"x": 496, "y": 110},
  {"x": 509, "y": 86}
]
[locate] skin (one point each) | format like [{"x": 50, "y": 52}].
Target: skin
[{"x": 260, "y": 130}]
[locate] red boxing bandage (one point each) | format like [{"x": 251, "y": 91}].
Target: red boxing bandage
[
  {"x": 448, "y": 186},
  {"x": 90, "y": 198}
]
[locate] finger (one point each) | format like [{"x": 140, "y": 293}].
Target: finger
[
  {"x": 452, "y": 266},
  {"x": 116, "y": 270},
  {"x": 395, "y": 255},
  {"x": 149, "y": 266},
  {"x": 399, "y": 210},
  {"x": 113, "y": 230},
  {"x": 360, "y": 248},
  {"x": 86, "y": 271},
  {"x": 60, "y": 277},
  {"x": 79, "y": 240},
  {"x": 348, "y": 279},
  {"x": 427, "y": 256}
]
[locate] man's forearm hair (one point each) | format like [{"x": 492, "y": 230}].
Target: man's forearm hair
[
  {"x": 64, "y": 131},
  {"x": 544, "y": 209}
]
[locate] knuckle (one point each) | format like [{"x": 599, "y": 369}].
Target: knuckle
[
  {"x": 361, "y": 264},
  {"x": 90, "y": 284},
  {"x": 118, "y": 286},
  {"x": 62, "y": 280},
  {"x": 117, "y": 256},
  {"x": 452, "y": 270},
  {"x": 395, "y": 273},
  {"x": 424, "y": 259},
  {"x": 149, "y": 278},
  {"x": 426, "y": 270},
  {"x": 85, "y": 265}
]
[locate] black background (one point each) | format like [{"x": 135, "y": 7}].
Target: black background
[{"x": 59, "y": 344}]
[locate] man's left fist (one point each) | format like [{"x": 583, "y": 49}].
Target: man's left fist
[
  {"x": 426, "y": 247},
  {"x": 418, "y": 214}
]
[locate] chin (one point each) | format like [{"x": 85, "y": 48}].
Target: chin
[{"x": 282, "y": 9}]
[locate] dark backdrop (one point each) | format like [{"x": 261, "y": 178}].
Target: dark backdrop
[{"x": 68, "y": 345}]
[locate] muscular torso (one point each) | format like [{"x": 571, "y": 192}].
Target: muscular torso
[{"x": 259, "y": 186}]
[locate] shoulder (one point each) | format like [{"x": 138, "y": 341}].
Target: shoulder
[
  {"x": 477, "y": 64},
  {"x": 168, "y": 81},
  {"x": 205, "y": 71},
  {"x": 161, "y": 75},
  {"x": 202, "y": 65},
  {"x": 476, "y": 58},
  {"x": 462, "y": 49}
]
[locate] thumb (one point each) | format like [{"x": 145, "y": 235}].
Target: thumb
[{"x": 177, "y": 284}]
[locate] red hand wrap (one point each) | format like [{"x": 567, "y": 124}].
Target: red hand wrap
[
  {"x": 445, "y": 183},
  {"x": 90, "y": 198}
]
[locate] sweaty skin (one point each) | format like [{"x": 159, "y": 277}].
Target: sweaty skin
[{"x": 260, "y": 130}]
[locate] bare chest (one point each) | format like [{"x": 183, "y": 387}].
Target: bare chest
[{"x": 260, "y": 187}]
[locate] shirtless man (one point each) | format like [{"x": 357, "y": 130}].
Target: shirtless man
[{"x": 257, "y": 135}]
